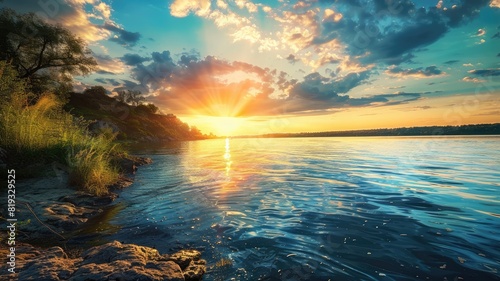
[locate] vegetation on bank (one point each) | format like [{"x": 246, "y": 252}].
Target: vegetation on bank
[
  {"x": 40, "y": 133},
  {"x": 474, "y": 129},
  {"x": 132, "y": 123},
  {"x": 44, "y": 127}
]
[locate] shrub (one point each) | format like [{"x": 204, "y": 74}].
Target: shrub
[{"x": 42, "y": 133}]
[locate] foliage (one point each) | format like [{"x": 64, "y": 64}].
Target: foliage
[
  {"x": 130, "y": 96},
  {"x": 96, "y": 91},
  {"x": 147, "y": 108},
  {"x": 10, "y": 84},
  {"x": 43, "y": 133},
  {"x": 135, "y": 123},
  {"x": 47, "y": 55}
]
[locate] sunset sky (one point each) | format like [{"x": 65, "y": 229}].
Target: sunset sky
[{"x": 258, "y": 67}]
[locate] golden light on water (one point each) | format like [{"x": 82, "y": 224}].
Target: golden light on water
[{"x": 227, "y": 157}]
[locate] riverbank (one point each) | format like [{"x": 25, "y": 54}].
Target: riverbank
[{"x": 52, "y": 237}]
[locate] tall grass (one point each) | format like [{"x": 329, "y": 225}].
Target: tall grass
[{"x": 42, "y": 133}]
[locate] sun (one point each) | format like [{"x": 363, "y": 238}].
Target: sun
[{"x": 226, "y": 126}]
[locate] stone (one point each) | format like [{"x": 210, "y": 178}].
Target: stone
[
  {"x": 191, "y": 263},
  {"x": 111, "y": 261},
  {"x": 51, "y": 264}
]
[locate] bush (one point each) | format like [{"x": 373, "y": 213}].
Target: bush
[{"x": 43, "y": 133}]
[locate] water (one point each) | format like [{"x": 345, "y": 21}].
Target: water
[{"x": 413, "y": 208}]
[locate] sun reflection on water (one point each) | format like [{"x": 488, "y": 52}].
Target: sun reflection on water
[{"x": 227, "y": 157}]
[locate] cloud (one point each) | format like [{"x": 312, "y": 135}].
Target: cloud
[
  {"x": 420, "y": 72},
  {"x": 368, "y": 29},
  {"x": 182, "y": 8},
  {"x": 473, "y": 80},
  {"x": 451, "y": 62},
  {"x": 480, "y": 32},
  {"x": 72, "y": 14},
  {"x": 292, "y": 59},
  {"x": 109, "y": 65},
  {"x": 495, "y": 3},
  {"x": 485, "y": 72},
  {"x": 211, "y": 86},
  {"x": 122, "y": 36},
  {"x": 497, "y": 35},
  {"x": 133, "y": 59},
  {"x": 249, "y": 33},
  {"x": 113, "y": 82}
]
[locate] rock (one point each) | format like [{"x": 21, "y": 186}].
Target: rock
[
  {"x": 84, "y": 200},
  {"x": 111, "y": 261},
  {"x": 191, "y": 263},
  {"x": 51, "y": 264},
  {"x": 184, "y": 257},
  {"x": 129, "y": 164},
  {"x": 195, "y": 270}
]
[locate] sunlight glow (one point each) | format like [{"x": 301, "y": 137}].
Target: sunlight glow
[
  {"x": 226, "y": 126},
  {"x": 227, "y": 157}
]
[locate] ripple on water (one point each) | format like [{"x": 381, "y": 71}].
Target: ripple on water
[{"x": 324, "y": 209}]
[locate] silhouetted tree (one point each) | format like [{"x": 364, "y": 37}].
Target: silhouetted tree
[
  {"x": 122, "y": 96},
  {"x": 95, "y": 91},
  {"x": 134, "y": 97},
  {"x": 147, "y": 108},
  {"x": 41, "y": 52}
]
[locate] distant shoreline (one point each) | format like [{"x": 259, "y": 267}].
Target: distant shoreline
[{"x": 462, "y": 130}]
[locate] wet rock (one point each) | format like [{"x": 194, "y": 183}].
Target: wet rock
[
  {"x": 85, "y": 199},
  {"x": 191, "y": 263},
  {"x": 111, "y": 261},
  {"x": 195, "y": 270},
  {"x": 184, "y": 257},
  {"x": 122, "y": 183},
  {"x": 129, "y": 164}
]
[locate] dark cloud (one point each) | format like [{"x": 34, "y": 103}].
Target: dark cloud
[
  {"x": 497, "y": 35},
  {"x": 464, "y": 11},
  {"x": 130, "y": 85},
  {"x": 156, "y": 73},
  {"x": 211, "y": 86},
  {"x": 292, "y": 59},
  {"x": 486, "y": 72},
  {"x": 188, "y": 57},
  {"x": 133, "y": 59},
  {"x": 366, "y": 30},
  {"x": 451, "y": 62},
  {"x": 415, "y": 72},
  {"x": 122, "y": 36}
]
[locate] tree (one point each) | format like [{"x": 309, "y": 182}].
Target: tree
[
  {"x": 40, "y": 51},
  {"x": 95, "y": 91},
  {"x": 147, "y": 108},
  {"x": 10, "y": 84},
  {"x": 134, "y": 97},
  {"x": 122, "y": 96}
]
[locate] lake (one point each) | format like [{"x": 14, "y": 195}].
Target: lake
[{"x": 359, "y": 208}]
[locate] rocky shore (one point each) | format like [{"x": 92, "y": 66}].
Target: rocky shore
[
  {"x": 49, "y": 213},
  {"x": 111, "y": 261}
]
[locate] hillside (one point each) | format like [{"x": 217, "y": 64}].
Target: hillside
[{"x": 131, "y": 123}]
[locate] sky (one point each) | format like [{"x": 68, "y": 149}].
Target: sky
[{"x": 258, "y": 67}]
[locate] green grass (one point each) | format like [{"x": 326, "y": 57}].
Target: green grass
[{"x": 37, "y": 134}]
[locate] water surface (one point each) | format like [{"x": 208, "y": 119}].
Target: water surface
[{"x": 381, "y": 208}]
